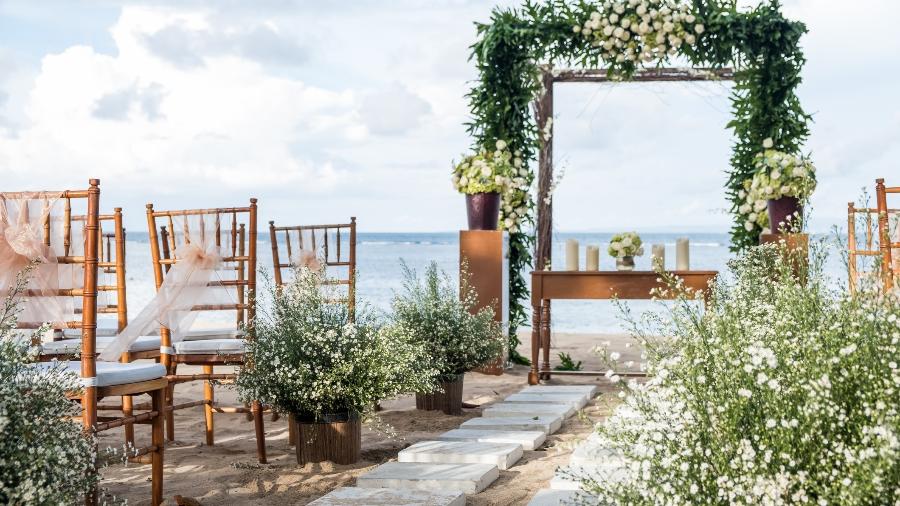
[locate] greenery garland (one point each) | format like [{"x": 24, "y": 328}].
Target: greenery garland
[{"x": 760, "y": 43}]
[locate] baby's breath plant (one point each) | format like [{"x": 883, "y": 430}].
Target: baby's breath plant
[
  {"x": 311, "y": 356},
  {"x": 45, "y": 457},
  {"x": 432, "y": 312},
  {"x": 784, "y": 390}
]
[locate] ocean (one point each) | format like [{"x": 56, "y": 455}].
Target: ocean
[{"x": 379, "y": 270}]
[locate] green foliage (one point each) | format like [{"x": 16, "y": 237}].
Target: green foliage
[
  {"x": 312, "y": 357},
  {"x": 567, "y": 364},
  {"x": 432, "y": 313},
  {"x": 776, "y": 392},
  {"x": 45, "y": 457},
  {"x": 760, "y": 42}
]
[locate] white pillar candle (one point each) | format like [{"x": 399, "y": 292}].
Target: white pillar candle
[
  {"x": 593, "y": 258},
  {"x": 571, "y": 255},
  {"x": 658, "y": 257},
  {"x": 682, "y": 254}
]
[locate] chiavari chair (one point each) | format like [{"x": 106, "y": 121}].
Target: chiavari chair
[
  {"x": 887, "y": 240},
  {"x": 334, "y": 246},
  {"x": 862, "y": 246},
  {"x": 71, "y": 241},
  {"x": 236, "y": 241}
]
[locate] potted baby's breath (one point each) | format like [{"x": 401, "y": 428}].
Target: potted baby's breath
[
  {"x": 458, "y": 336},
  {"x": 45, "y": 457},
  {"x": 314, "y": 359}
]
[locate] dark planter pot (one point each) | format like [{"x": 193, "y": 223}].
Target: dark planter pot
[
  {"x": 782, "y": 209},
  {"x": 334, "y": 437},
  {"x": 448, "y": 399},
  {"x": 483, "y": 211}
]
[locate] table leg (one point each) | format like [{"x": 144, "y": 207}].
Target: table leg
[
  {"x": 545, "y": 338},
  {"x": 533, "y": 376}
]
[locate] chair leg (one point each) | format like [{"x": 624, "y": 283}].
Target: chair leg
[
  {"x": 257, "y": 411},
  {"x": 209, "y": 397},
  {"x": 159, "y": 403},
  {"x": 128, "y": 410},
  {"x": 170, "y": 413},
  {"x": 292, "y": 430}
]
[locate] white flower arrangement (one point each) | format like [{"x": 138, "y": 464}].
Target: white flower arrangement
[
  {"x": 778, "y": 174},
  {"x": 486, "y": 171},
  {"x": 639, "y": 31},
  {"x": 45, "y": 456},
  {"x": 430, "y": 311},
  {"x": 627, "y": 244},
  {"x": 777, "y": 392},
  {"x": 312, "y": 357}
]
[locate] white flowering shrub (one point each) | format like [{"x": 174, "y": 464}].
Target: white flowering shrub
[
  {"x": 627, "y": 244},
  {"x": 312, "y": 357},
  {"x": 777, "y": 174},
  {"x": 431, "y": 312},
  {"x": 629, "y": 32},
  {"x": 780, "y": 392},
  {"x": 46, "y": 458}
]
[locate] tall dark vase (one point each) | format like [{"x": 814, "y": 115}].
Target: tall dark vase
[
  {"x": 483, "y": 211},
  {"x": 782, "y": 209}
]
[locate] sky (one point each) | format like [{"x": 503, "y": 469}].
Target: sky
[{"x": 324, "y": 110}]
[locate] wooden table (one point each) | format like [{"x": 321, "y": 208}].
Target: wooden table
[{"x": 549, "y": 285}]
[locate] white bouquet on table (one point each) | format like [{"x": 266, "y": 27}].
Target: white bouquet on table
[{"x": 626, "y": 244}]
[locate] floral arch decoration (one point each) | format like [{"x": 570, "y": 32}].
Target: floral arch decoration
[{"x": 623, "y": 40}]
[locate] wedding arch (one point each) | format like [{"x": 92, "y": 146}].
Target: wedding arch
[{"x": 627, "y": 40}]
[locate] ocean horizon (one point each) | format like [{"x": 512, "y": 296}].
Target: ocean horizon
[{"x": 379, "y": 256}]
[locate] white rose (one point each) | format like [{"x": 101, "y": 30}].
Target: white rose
[
  {"x": 626, "y": 23},
  {"x": 776, "y": 174},
  {"x": 699, "y": 28},
  {"x": 501, "y": 145},
  {"x": 689, "y": 18},
  {"x": 668, "y": 26},
  {"x": 626, "y": 242},
  {"x": 690, "y": 39},
  {"x": 616, "y": 246},
  {"x": 760, "y": 205},
  {"x": 608, "y": 30},
  {"x": 463, "y": 181},
  {"x": 576, "y": 29},
  {"x": 613, "y": 18},
  {"x": 508, "y": 222},
  {"x": 744, "y": 209},
  {"x": 768, "y": 143},
  {"x": 748, "y": 226},
  {"x": 486, "y": 171},
  {"x": 752, "y": 217},
  {"x": 641, "y": 10},
  {"x": 799, "y": 171}
]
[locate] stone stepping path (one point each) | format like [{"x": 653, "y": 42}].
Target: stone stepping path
[
  {"x": 467, "y": 460},
  {"x": 348, "y": 496},
  {"x": 502, "y": 455},
  {"x": 546, "y": 424},
  {"x": 528, "y": 439}
]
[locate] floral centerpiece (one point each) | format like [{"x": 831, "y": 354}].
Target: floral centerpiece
[
  {"x": 629, "y": 32},
  {"x": 624, "y": 247},
  {"x": 778, "y": 392},
  {"x": 781, "y": 184},
  {"x": 457, "y": 337},
  {"x": 314, "y": 359},
  {"x": 45, "y": 457},
  {"x": 483, "y": 177}
]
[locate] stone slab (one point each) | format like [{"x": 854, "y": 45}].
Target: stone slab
[
  {"x": 593, "y": 451},
  {"x": 466, "y": 478},
  {"x": 576, "y": 400},
  {"x": 549, "y": 497},
  {"x": 350, "y": 496},
  {"x": 545, "y": 424},
  {"x": 528, "y": 439},
  {"x": 589, "y": 390},
  {"x": 505, "y": 409},
  {"x": 502, "y": 455}
]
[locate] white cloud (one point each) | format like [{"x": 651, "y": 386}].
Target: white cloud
[{"x": 393, "y": 111}]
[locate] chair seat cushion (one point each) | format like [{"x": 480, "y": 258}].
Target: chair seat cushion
[
  {"x": 101, "y": 332},
  {"x": 71, "y": 346},
  {"x": 114, "y": 373},
  {"x": 207, "y": 334},
  {"x": 210, "y": 346}
]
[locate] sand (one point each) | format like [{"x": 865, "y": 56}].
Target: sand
[{"x": 227, "y": 473}]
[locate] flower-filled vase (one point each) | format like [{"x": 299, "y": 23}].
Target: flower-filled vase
[
  {"x": 483, "y": 210},
  {"x": 625, "y": 263}
]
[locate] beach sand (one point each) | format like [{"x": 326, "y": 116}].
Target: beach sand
[{"x": 227, "y": 473}]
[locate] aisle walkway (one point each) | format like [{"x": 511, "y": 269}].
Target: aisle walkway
[{"x": 467, "y": 460}]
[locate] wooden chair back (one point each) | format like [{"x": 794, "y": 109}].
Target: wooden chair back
[
  {"x": 85, "y": 222},
  {"x": 334, "y": 244},
  {"x": 862, "y": 241},
  {"x": 886, "y": 241},
  {"x": 235, "y": 231}
]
